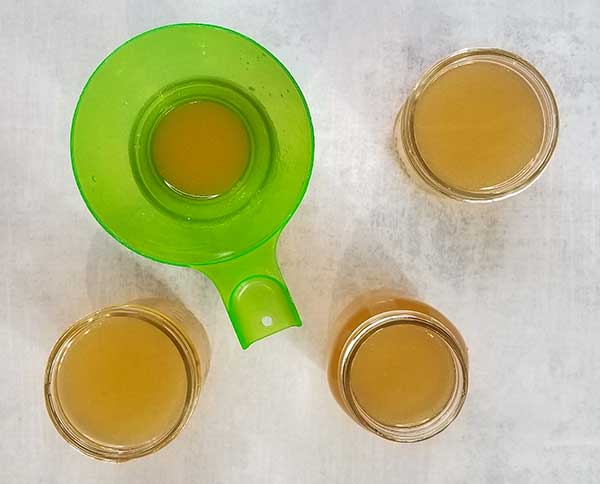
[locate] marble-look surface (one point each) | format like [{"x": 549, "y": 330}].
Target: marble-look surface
[{"x": 519, "y": 278}]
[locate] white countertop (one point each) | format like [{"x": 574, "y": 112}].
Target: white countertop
[{"x": 519, "y": 278}]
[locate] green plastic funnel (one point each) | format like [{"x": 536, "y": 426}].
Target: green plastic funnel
[{"x": 231, "y": 238}]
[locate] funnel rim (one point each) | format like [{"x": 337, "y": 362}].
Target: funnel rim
[{"x": 236, "y": 254}]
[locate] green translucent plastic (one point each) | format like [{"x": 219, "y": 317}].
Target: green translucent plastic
[{"x": 231, "y": 238}]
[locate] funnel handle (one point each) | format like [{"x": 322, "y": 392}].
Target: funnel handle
[{"x": 254, "y": 293}]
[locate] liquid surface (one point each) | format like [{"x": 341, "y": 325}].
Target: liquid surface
[
  {"x": 201, "y": 148},
  {"x": 123, "y": 382},
  {"x": 478, "y": 125},
  {"x": 402, "y": 375}
]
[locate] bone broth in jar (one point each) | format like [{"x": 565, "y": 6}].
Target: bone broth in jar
[
  {"x": 398, "y": 367},
  {"x": 122, "y": 382},
  {"x": 480, "y": 125}
]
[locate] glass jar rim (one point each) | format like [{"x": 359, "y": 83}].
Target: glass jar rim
[
  {"x": 403, "y": 433},
  {"x": 114, "y": 452},
  {"x": 526, "y": 176}
]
